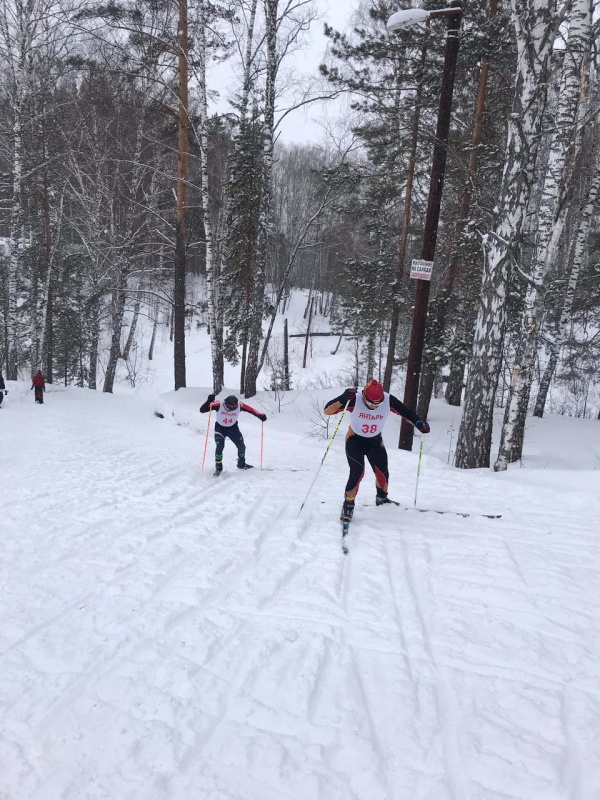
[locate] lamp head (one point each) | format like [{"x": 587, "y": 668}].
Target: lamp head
[{"x": 408, "y": 16}]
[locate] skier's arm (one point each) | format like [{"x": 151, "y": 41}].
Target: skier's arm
[
  {"x": 210, "y": 403},
  {"x": 398, "y": 407},
  {"x": 338, "y": 403},
  {"x": 250, "y": 410}
]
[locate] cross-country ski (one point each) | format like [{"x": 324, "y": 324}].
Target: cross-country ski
[{"x": 345, "y": 532}]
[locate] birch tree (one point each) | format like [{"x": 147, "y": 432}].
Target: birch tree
[
  {"x": 271, "y": 8},
  {"x": 536, "y": 23},
  {"x": 577, "y": 261},
  {"x": 448, "y": 303},
  {"x": 215, "y": 317},
  {"x": 558, "y": 184},
  {"x": 158, "y": 47},
  {"x": 252, "y": 166},
  {"x": 31, "y": 42}
]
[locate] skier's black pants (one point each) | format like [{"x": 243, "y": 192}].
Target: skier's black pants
[
  {"x": 39, "y": 395},
  {"x": 1, "y": 397},
  {"x": 357, "y": 447},
  {"x": 231, "y": 432}
]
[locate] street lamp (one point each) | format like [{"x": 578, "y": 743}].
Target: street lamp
[{"x": 400, "y": 19}]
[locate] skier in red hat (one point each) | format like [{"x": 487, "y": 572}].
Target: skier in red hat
[{"x": 369, "y": 411}]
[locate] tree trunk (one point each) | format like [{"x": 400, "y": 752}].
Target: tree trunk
[
  {"x": 551, "y": 219},
  {"x": 132, "y": 329},
  {"x": 286, "y": 357},
  {"x": 456, "y": 378},
  {"x": 535, "y": 24},
  {"x": 118, "y": 310},
  {"x": 215, "y": 319},
  {"x": 46, "y": 343},
  {"x": 48, "y": 350},
  {"x": 94, "y": 339},
  {"x": 577, "y": 261},
  {"x": 248, "y": 61},
  {"x": 14, "y": 258},
  {"x": 181, "y": 208},
  {"x": 306, "y": 341},
  {"x": 258, "y": 289},
  {"x": 243, "y": 362},
  {"x": 426, "y": 388},
  {"x": 370, "y": 357},
  {"x": 154, "y": 329}
]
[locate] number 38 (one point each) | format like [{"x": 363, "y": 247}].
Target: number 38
[{"x": 369, "y": 428}]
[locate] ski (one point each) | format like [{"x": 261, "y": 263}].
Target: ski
[
  {"x": 456, "y": 513},
  {"x": 281, "y": 469},
  {"x": 345, "y": 530},
  {"x": 437, "y": 511}
]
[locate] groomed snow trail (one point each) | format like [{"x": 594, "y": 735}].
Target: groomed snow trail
[{"x": 166, "y": 635}]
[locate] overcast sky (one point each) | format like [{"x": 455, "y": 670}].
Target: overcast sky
[{"x": 299, "y": 126}]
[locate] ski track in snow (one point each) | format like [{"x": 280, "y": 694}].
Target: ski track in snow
[{"x": 167, "y": 634}]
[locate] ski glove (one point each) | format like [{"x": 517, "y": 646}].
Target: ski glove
[
  {"x": 349, "y": 396},
  {"x": 211, "y": 398},
  {"x": 422, "y": 426},
  {"x": 262, "y": 417}
]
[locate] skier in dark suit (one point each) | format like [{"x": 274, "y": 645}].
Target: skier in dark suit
[
  {"x": 369, "y": 411},
  {"x": 226, "y": 426}
]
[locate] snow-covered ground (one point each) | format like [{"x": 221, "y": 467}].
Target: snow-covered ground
[{"x": 167, "y": 635}]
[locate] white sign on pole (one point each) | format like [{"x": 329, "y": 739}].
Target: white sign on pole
[{"x": 421, "y": 269}]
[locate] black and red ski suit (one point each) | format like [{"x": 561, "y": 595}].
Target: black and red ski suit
[{"x": 358, "y": 447}]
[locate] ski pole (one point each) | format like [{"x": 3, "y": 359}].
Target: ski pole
[
  {"x": 418, "y": 471},
  {"x": 262, "y": 441},
  {"x": 337, "y": 427},
  {"x": 206, "y": 440}
]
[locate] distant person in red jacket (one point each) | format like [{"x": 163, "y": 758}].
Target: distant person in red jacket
[{"x": 39, "y": 384}]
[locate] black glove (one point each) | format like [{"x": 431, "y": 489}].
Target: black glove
[
  {"x": 349, "y": 396},
  {"x": 211, "y": 398},
  {"x": 262, "y": 417},
  {"x": 422, "y": 426}
]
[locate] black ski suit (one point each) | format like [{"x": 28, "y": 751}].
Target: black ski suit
[
  {"x": 232, "y": 432},
  {"x": 358, "y": 447}
]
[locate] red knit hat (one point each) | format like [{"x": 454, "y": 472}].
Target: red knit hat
[{"x": 374, "y": 392}]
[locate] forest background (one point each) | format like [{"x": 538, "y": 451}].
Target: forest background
[{"x": 123, "y": 193}]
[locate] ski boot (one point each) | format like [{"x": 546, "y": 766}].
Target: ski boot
[
  {"x": 347, "y": 511},
  {"x": 381, "y": 500},
  {"x": 241, "y": 464},
  {"x": 218, "y": 468}
]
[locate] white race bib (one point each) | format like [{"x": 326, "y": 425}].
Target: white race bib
[
  {"x": 227, "y": 418},
  {"x": 369, "y": 422}
]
